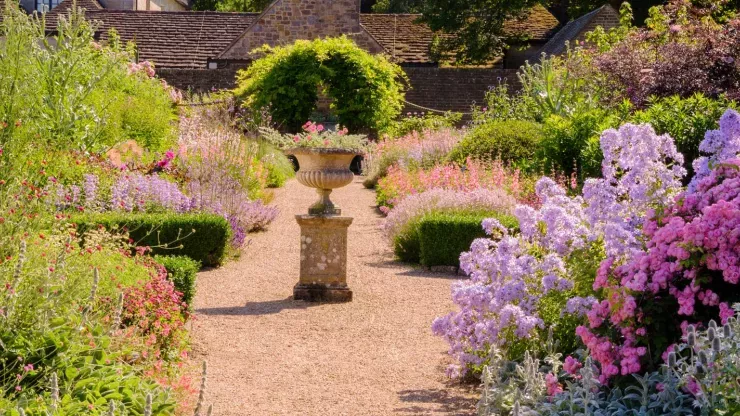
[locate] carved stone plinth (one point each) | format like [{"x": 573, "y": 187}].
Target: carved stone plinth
[{"x": 323, "y": 276}]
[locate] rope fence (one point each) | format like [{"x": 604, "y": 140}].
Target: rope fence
[{"x": 431, "y": 110}]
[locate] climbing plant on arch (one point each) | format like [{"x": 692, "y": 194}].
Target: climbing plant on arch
[{"x": 366, "y": 90}]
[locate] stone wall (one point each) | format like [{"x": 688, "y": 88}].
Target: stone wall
[
  {"x": 286, "y": 21},
  {"x": 453, "y": 89},
  {"x": 200, "y": 80},
  {"x": 446, "y": 89}
]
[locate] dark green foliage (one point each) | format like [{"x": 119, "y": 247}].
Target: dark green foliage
[
  {"x": 365, "y": 89},
  {"x": 444, "y": 236},
  {"x": 407, "y": 245},
  {"x": 512, "y": 141},
  {"x": 448, "y": 235},
  {"x": 202, "y": 237},
  {"x": 182, "y": 271},
  {"x": 571, "y": 144},
  {"x": 398, "y": 6},
  {"x": 424, "y": 122},
  {"x": 684, "y": 119},
  {"x": 476, "y": 26}
]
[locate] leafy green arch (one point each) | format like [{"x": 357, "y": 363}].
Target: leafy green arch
[{"x": 366, "y": 90}]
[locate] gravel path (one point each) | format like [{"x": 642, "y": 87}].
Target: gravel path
[{"x": 270, "y": 355}]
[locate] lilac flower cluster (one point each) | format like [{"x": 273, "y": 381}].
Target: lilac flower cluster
[
  {"x": 222, "y": 167},
  {"x": 720, "y": 145},
  {"x": 498, "y": 305},
  {"x": 641, "y": 170},
  {"x": 133, "y": 192},
  {"x": 243, "y": 214},
  {"x": 436, "y": 200}
]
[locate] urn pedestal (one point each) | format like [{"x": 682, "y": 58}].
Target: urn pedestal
[
  {"x": 323, "y": 275},
  {"x": 323, "y": 272}
]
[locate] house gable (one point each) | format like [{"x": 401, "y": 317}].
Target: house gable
[
  {"x": 286, "y": 21},
  {"x": 576, "y": 30}
]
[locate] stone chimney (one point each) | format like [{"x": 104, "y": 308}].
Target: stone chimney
[{"x": 285, "y": 21}]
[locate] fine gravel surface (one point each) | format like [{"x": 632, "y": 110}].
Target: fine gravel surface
[{"x": 270, "y": 355}]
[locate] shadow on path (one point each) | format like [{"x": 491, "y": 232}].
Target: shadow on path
[
  {"x": 269, "y": 307},
  {"x": 413, "y": 270},
  {"x": 448, "y": 402}
]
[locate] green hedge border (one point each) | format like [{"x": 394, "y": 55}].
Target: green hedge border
[{"x": 201, "y": 237}]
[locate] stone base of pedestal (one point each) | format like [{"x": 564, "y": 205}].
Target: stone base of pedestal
[
  {"x": 321, "y": 293},
  {"x": 323, "y": 274}
]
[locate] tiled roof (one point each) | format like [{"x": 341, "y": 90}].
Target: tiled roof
[
  {"x": 408, "y": 41},
  {"x": 556, "y": 45},
  {"x": 189, "y": 39},
  {"x": 538, "y": 25},
  {"x": 400, "y": 36},
  {"x": 65, "y": 6},
  {"x": 171, "y": 39}
]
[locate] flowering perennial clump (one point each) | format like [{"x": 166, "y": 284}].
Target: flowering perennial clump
[
  {"x": 641, "y": 170},
  {"x": 316, "y": 136},
  {"x": 502, "y": 302},
  {"x": 688, "y": 267},
  {"x": 507, "y": 279},
  {"x": 400, "y": 182},
  {"x": 438, "y": 200},
  {"x": 720, "y": 145}
]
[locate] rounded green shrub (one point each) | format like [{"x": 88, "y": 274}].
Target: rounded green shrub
[
  {"x": 512, "y": 141},
  {"x": 445, "y": 234},
  {"x": 365, "y": 89}
]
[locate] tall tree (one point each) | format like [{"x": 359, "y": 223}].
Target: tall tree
[{"x": 473, "y": 30}]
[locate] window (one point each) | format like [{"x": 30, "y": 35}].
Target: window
[{"x": 43, "y": 6}]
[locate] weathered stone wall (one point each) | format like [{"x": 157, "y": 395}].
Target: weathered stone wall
[
  {"x": 453, "y": 89},
  {"x": 446, "y": 89},
  {"x": 200, "y": 80},
  {"x": 286, "y": 21}
]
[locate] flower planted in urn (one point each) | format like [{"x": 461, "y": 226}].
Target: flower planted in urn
[
  {"x": 316, "y": 136},
  {"x": 324, "y": 157}
]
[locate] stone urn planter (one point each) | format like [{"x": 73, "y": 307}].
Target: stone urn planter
[
  {"x": 323, "y": 273},
  {"x": 325, "y": 170}
]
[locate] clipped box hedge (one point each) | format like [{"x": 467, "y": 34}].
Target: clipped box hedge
[
  {"x": 182, "y": 271},
  {"x": 444, "y": 236},
  {"x": 202, "y": 237}
]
